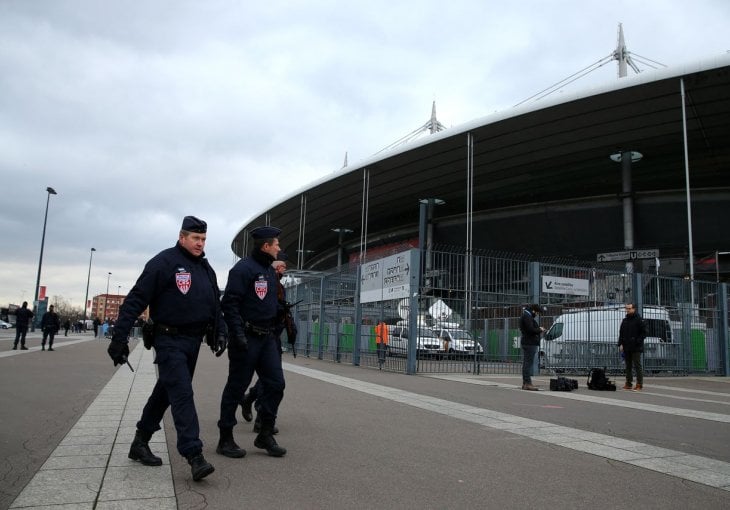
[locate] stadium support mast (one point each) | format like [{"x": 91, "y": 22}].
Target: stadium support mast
[
  {"x": 622, "y": 55},
  {"x": 432, "y": 126}
]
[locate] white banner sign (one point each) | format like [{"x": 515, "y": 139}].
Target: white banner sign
[
  {"x": 557, "y": 285},
  {"x": 387, "y": 278}
]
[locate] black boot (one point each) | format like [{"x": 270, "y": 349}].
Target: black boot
[
  {"x": 265, "y": 440},
  {"x": 140, "y": 450},
  {"x": 199, "y": 466},
  {"x": 228, "y": 447},
  {"x": 246, "y": 404},
  {"x": 257, "y": 426}
]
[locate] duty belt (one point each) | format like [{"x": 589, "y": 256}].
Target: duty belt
[
  {"x": 256, "y": 329},
  {"x": 194, "y": 331}
]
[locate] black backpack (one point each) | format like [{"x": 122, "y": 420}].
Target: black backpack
[
  {"x": 563, "y": 384},
  {"x": 597, "y": 380}
]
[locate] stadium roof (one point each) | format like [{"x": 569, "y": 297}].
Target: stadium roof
[{"x": 533, "y": 158}]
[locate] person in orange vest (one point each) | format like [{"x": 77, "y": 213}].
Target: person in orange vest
[{"x": 381, "y": 341}]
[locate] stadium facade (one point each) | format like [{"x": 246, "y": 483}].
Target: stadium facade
[{"x": 620, "y": 167}]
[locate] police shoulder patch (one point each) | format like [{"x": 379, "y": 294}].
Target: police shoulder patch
[
  {"x": 183, "y": 280},
  {"x": 261, "y": 286}
]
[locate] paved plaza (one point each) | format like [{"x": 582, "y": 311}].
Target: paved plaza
[{"x": 359, "y": 438}]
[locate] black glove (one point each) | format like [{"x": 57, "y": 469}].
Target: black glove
[
  {"x": 220, "y": 345},
  {"x": 118, "y": 352},
  {"x": 240, "y": 342},
  {"x": 210, "y": 337}
]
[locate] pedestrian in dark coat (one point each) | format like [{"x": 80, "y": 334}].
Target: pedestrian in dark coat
[
  {"x": 530, "y": 343},
  {"x": 50, "y": 324},
  {"x": 631, "y": 343},
  {"x": 23, "y": 316}
]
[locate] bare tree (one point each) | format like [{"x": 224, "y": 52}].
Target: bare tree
[{"x": 66, "y": 310}]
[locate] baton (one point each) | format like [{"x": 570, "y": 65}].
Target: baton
[{"x": 128, "y": 363}]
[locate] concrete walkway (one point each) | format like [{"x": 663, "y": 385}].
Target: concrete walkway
[
  {"x": 90, "y": 469},
  {"x": 441, "y": 441}
]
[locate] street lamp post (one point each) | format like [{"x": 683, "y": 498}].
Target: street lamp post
[
  {"x": 106, "y": 296},
  {"x": 119, "y": 301},
  {"x": 50, "y": 192},
  {"x": 88, "y": 278},
  {"x": 341, "y": 232},
  {"x": 627, "y": 158}
]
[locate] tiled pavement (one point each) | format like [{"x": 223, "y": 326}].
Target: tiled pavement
[{"x": 90, "y": 470}]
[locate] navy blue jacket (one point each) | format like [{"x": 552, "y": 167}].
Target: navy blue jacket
[
  {"x": 251, "y": 293},
  {"x": 22, "y": 317},
  {"x": 180, "y": 289},
  {"x": 50, "y": 322}
]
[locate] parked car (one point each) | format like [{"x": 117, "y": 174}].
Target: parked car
[
  {"x": 427, "y": 343},
  {"x": 458, "y": 343},
  {"x": 5, "y": 325}
]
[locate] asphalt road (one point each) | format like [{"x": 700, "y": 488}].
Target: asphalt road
[{"x": 362, "y": 438}]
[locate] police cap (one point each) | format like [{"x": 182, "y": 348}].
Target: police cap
[
  {"x": 193, "y": 224},
  {"x": 266, "y": 232}
]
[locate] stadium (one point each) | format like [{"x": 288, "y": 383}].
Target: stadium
[
  {"x": 637, "y": 166},
  {"x": 546, "y": 169}
]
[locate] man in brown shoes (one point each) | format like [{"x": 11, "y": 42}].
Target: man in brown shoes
[
  {"x": 530, "y": 342},
  {"x": 631, "y": 343}
]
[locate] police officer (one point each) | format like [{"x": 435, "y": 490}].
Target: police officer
[
  {"x": 23, "y": 317},
  {"x": 284, "y": 322},
  {"x": 50, "y": 324},
  {"x": 250, "y": 307},
  {"x": 181, "y": 290}
]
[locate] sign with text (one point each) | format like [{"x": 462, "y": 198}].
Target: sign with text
[
  {"x": 627, "y": 255},
  {"x": 386, "y": 278},
  {"x": 557, "y": 285}
]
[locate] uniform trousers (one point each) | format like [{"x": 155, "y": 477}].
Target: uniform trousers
[
  {"x": 20, "y": 333},
  {"x": 264, "y": 358},
  {"x": 48, "y": 335},
  {"x": 257, "y": 389},
  {"x": 176, "y": 358}
]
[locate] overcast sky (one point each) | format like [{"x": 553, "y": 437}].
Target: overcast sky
[{"x": 141, "y": 112}]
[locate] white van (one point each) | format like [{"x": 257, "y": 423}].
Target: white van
[{"x": 589, "y": 337}]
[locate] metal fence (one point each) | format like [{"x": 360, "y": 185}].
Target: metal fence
[{"x": 687, "y": 321}]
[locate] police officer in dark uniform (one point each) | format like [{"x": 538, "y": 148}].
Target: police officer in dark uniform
[
  {"x": 250, "y": 307},
  {"x": 181, "y": 290},
  {"x": 50, "y": 324},
  {"x": 285, "y": 321},
  {"x": 23, "y": 317}
]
